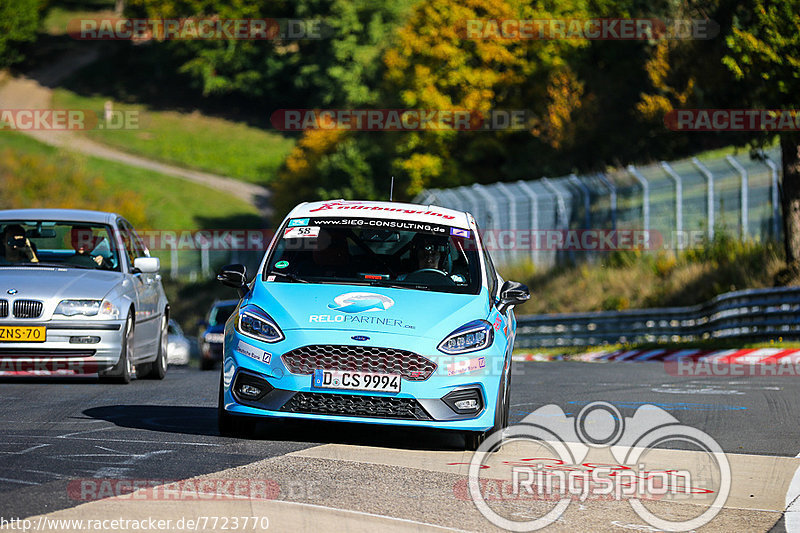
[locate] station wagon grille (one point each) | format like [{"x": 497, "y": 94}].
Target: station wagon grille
[
  {"x": 356, "y": 405},
  {"x": 409, "y": 365},
  {"x": 3, "y": 308},
  {"x": 27, "y": 309}
]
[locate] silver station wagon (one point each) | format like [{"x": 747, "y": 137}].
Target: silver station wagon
[{"x": 79, "y": 294}]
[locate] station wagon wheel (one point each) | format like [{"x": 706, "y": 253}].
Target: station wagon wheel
[
  {"x": 158, "y": 368},
  {"x": 122, "y": 371}
]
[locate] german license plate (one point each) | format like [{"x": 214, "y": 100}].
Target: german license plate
[
  {"x": 23, "y": 333},
  {"x": 345, "y": 379}
]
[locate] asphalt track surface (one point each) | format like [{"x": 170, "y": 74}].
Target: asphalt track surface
[{"x": 58, "y": 431}]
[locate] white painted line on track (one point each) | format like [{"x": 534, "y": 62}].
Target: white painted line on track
[
  {"x": 117, "y": 440},
  {"x": 371, "y": 515},
  {"x": 19, "y": 481}
]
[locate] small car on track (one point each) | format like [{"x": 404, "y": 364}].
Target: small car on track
[
  {"x": 179, "y": 348},
  {"x": 371, "y": 312},
  {"x": 79, "y": 294},
  {"x": 213, "y": 333}
]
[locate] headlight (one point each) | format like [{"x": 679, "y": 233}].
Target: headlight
[
  {"x": 256, "y": 323},
  {"x": 99, "y": 308},
  {"x": 470, "y": 337},
  {"x": 217, "y": 338},
  {"x": 78, "y": 307}
]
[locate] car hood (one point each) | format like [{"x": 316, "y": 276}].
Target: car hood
[
  {"x": 364, "y": 308},
  {"x": 44, "y": 283}
]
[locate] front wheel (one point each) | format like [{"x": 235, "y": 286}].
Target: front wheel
[
  {"x": 121, "y": 372},
  {"x": 473, "y": 439},
  {"x": 231, "y": 425},
  {"x": 158, "y": 368}
]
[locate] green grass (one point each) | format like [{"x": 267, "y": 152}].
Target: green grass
[
  {"x": 170, "y": 203},
  {"x": 190, "y": 140}
]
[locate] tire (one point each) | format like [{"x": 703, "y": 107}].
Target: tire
[
  {"x": 121, "y": 372},
  {"x": 231, "y": 425},
  {"x": 206, "y": 364},
  {"x": 158, "y": 368},
  {"x": 473, "y": 439}
]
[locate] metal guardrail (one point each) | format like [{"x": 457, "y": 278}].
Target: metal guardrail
[{"x": 753, "y": 313}]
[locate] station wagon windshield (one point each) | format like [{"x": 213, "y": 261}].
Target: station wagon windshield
[
  {"x": 60, "y": 244},
  {"x": 377, "y": 252}
]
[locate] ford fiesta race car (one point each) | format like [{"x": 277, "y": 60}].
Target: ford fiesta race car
[{"x": 371, "y": 312}]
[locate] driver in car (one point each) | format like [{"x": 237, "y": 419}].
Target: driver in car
[
  {"x": 16, "y": 246},
  {"x": 83, "y": 242},
  {"x": 427, "y": 252}
]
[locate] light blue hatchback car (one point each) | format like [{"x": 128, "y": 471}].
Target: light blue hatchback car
[{"x": 371, "y": 312}]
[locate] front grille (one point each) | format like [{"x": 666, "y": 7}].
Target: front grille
[
  {"x": 27, "y": 309},
  {"x": 36, "y": 353},
  {"x": 3, "y": 308},
  {"x": 409, "y": 365},
  {"x": 355, "y": 405}
]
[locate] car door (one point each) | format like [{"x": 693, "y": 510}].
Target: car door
[{"x": 147, "y": 324}]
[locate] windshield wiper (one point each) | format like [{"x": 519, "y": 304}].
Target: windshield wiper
[{"x": 288, "y": 276}]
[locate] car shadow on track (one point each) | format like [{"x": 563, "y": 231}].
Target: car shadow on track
[
  {"x": 203, "y": 421},
  {"x": 166, "y": 418}
]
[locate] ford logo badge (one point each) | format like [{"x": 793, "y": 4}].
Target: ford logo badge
[{"x": 360, "y": 338}]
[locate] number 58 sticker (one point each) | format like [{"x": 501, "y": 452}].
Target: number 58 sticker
[{"x": 302, "y": 232}]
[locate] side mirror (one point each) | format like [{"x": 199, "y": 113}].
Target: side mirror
[
  {"x": 146, "y": 265},
  {"x": 512, "y": 293},
  {"x": 234, "y": 276}
]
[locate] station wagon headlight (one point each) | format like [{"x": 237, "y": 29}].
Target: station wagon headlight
[
  {"x": 471, "y": 337},
  {"x": 99, "y": 308},
  {"x": 256, "y": 323},
  {"x": 78, "y": 307}
]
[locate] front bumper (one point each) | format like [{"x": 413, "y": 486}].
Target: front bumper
[
  {"x": 419, "y": 403},
  {"x": 61, "y": 352}
]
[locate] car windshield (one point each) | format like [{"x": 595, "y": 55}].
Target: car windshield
[
  {"x": 220, "y": 314},
  {"x": 376, "y": 252},
  {"x": 64, "y": 244}
]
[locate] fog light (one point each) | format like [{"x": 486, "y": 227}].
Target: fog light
[
  {"x": 84, "y": 340},
  {"x": 467, "y": 405},
  {"x": 465, "y": 401},
  {"x": 250, "y": 387},
  {"x": 249, "y": 391}
]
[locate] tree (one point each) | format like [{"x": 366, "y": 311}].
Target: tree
[
  {"x": 19, "y": 20},
  {"x": 764, "y": 54}
]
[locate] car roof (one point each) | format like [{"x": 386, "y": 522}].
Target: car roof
[
  {"x": 383, "y": 210},
  {"x": 58, "y": 215}
]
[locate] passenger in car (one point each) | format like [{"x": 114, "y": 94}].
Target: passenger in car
[{"x": 17, "y": 247}]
